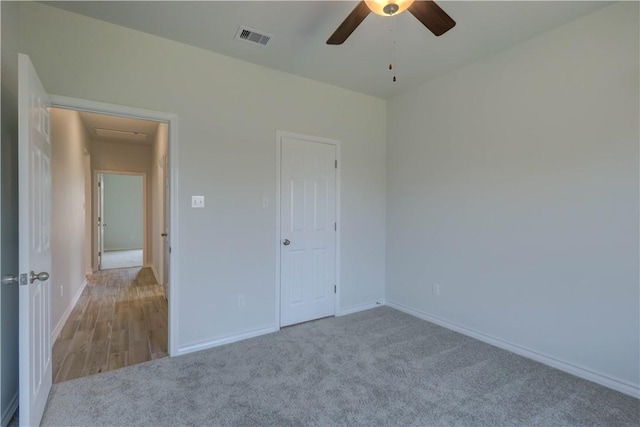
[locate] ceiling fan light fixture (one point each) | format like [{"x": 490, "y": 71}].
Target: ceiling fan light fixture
[{"x": 388, "y": 7}]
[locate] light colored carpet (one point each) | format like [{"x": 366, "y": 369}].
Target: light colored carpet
[
  {"x": 122, "y": 259},
  {"x": 380, "y": 367}
]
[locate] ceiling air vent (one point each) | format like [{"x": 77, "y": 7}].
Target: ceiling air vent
[{"x": 252, "y": 36}]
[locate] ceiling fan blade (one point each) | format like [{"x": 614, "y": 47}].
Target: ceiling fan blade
[
  {"x": 352, "y": 21},
  {"x": 432, "y": 16}
]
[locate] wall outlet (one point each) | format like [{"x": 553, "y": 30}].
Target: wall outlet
[
  {"x": 61, "y": 290},
  {"x": 240, "y": 300},
  {"x": 436, "y": 289},
  {"x": 265, "y": 202}
]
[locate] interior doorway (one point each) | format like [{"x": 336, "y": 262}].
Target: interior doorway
[
  {"x": 122, "y": 219},
  {"x": 307, "y": 214},
  {"x": 119, "y": 315}
]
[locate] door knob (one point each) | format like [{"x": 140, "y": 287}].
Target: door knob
[
  {"x": 164, "y": 235},
  {"x": 286, "y": 242},
  {"x": 40, "y": 276}
]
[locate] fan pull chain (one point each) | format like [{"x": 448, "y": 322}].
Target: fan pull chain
[
  {"x": 394, "y": 58},
  {"x": 392, "y": 29}
]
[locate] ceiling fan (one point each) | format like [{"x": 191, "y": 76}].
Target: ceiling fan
[{"x": 426, "y": 11}]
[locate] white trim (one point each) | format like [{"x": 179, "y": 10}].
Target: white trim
[
  {"x": 338, "y": 225},
  {"x": 360, "y": 307},
  {"x": 225, "y": 340},
  {"x": 2, "y": 418},
  {"x": 65, "y": 316},
  {"x": 172, "y": 120},
  {"x": 338, "y": 145},
  {"x": 276, "y": 321},
  {"x": 173, "y": 237},
  {"x": 112, "y": 109},
  {"x": 11, "y": 410},
  {"x": 582, "y": 372}
]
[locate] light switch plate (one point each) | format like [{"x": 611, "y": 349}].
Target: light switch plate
[{"x": 197, "y": 201}]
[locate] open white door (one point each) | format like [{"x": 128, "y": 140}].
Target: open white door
[{"x": 34, "y": 165}]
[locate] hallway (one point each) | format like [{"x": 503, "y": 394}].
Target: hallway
[{"x": 119, "y": 320}]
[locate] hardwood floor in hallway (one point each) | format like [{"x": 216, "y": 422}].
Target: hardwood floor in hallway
[{"x": 119, "y": 320}]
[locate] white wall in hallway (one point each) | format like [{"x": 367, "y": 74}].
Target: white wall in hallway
[
  {"x": 69, "y": 144},
  {"x": 123, "y": 212},
  {"x": 513, "y": 185},
  {"x": 88, "y": 219},
  {"x": 160, "y": 150},
  {"x": 229, "y": 111}
]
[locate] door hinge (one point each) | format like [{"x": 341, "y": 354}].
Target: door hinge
[
  {"x": 99, "y": 184},
  {"x": 335, "y": 226},
  {"x": 335, "y": 289},
  {"x": 99, "y": 253},
  {"x": 336, "y": 164},
  {"x": 23, "y": 279},
  {"x": 169, "y": 249}
]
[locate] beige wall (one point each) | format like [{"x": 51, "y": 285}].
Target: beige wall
[
  {"x": 121, "y": 156},
  {"x": 160, "y": 150},
  {"x": 124, "y": 157},
  {"x": 88, "y": 221},
  {"x": 69, "y": 141}
]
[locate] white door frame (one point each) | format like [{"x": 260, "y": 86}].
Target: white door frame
[
  {"x": 172, "y": 120},
  {"x": 283, "y": 134},
  {"x": 96, "y": 196}
]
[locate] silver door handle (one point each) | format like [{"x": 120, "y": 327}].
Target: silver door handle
[
  {"x": 40, "y": 276},
  {"x": 286, "y": 242},
  {"x": 9, "y": 279}
]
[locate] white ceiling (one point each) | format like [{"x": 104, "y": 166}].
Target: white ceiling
[
  {"x": 301, "y": 28},
  {"x": 128, "y": 126}
]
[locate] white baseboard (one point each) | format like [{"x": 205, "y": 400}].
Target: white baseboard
[
  {"x": 65, "y": 316},
  {"x": 10, "y": 411},
  {"x": 587, "y": 374},
  {"x": 256, "y": 333},
  {"x": 225, "y": 340},
  {"x": 360, "y": 307}
]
